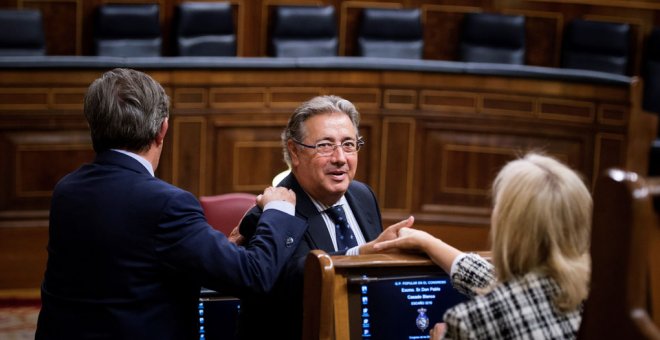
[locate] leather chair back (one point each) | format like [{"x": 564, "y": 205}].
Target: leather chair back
[
  {"x": 205, "y": 29},
  {"x": 391, "y": 33},
  {"x": 596, "y": 46},
  {"x": 128, "y": 30},
  {"x": 21, "y": 33},
  {"x": 304, "y": 31},
  {"x": 225, "y": 211},
  {"x": 493, "y": 38}
]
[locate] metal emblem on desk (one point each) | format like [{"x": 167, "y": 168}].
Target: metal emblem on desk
[{"x": 422, "y": 320}]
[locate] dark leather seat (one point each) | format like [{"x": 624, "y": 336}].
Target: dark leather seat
[
  {"x": 21, "y": 33},
  {"x": 128, "y": 30},
  {"x": 391, "y": 33},
  {"x": 304, "y": 31},
  {"x": 596, "y": 46},
  {"x": 651, "y": 73},
  {"x": 205, "y": 29},
  {"x": 493, "y": 38}
]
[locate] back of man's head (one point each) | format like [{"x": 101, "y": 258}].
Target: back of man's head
[{"x": 125, "y": 109}]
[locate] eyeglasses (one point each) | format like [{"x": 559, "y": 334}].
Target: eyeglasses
[{"x": 326, "y": 148}]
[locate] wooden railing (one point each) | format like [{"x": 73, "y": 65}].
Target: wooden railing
[{"x": 436, "y": 132}]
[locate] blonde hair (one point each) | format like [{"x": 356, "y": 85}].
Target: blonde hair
[{"x": 541, "y": 222}]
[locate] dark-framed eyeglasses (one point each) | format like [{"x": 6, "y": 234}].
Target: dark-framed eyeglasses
[{"x": 327, "y": 148}]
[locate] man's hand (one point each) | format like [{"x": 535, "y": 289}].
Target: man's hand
[
  {"x": 390, "y": 233},
  {"x": 276, "y": 194},
  {"x": 407, "y": 239},
  {"x": 236, "y": 237}
]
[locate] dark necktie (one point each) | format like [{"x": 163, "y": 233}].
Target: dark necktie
[{"x": 345, "y": 237}]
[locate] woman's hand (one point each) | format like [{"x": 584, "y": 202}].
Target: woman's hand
[{"x": 438, "y": 331}]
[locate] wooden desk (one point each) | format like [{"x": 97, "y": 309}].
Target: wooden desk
[{"x": 326, "y": 295}]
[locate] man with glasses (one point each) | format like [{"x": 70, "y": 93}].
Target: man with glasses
[{"x": 321, "y": 144}]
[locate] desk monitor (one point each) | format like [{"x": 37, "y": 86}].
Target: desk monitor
[
  {"x": 399, "y": 307},
  {"x": 218, "y": 315}
]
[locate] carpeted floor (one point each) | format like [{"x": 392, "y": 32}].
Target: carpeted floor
[{"x": 18, "y": 316}]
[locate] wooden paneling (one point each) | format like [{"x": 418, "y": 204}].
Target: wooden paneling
[
  {"x": 237, "y": 97},
  {"x": 189, "y": 149},
  {"x": 247, "y": 156},
  {"x": 442, "y": 30},
  {"x": 22, "y": 256},
  {"x": 33, "y": 162},
  {"x": 461, "y": 161},
  {"x": 396, "y": 164}
]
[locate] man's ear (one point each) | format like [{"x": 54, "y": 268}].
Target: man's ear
[
  {"x": 293, "y": 152},
  {"x": 160, "y": 137}
]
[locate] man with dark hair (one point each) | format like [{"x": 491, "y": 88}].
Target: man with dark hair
[
  {"x": 320, "y": 144},
  {"x": 128, "y": 253}
]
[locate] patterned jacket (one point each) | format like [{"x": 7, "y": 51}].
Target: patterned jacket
[{"x": 518, "y": 309}]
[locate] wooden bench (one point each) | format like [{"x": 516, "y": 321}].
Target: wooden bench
[{"x": 624, "y": 299}]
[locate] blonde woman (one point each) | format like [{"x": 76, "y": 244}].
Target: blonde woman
[{"x": 539, "y": 276}]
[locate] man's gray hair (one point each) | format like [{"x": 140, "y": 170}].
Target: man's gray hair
[
  {"x": 295, "y": 129},
  {"x": 125, "y": 110}
]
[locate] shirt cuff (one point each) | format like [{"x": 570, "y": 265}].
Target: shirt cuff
[
  {"x": 454, "y": 264},
  {"x": 283, "y": 206},
  {"x": 353, "y": 251}
]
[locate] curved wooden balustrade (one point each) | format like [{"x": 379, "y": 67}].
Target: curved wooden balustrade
[{"x": 437, "y": 132}]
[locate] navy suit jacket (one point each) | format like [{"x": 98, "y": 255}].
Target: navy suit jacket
[
  {"x": 279, "y": 313},
  {"x": 128, "y": 253}
]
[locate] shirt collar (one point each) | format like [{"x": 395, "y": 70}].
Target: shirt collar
[
  {"x": 322, "y": 207},
  {"x": 138, "y": 158}
]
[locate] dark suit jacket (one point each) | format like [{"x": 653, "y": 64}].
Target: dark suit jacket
[
  {"x": 279, "y": 314},
  {"x": 128, "y": 253}
]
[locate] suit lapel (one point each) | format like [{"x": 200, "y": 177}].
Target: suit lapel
[{"x": 305, "y": 208}]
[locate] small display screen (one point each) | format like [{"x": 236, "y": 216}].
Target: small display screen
[
  {"x": 218, "y": 316},
  {"x": 399, "y": 307}
]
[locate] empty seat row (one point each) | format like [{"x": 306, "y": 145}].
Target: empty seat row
[
  {"x": 129, "y": 30},
  {"x": 308, "y": 31},
  {"x": 207, "y": 29},
  {"x": 21, "y": 33}
]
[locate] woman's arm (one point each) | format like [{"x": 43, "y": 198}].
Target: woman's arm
[{"x": 440, "y": 252}]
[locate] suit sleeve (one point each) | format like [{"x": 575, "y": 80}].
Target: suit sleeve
[{"x": 189, "y": 245}]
